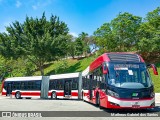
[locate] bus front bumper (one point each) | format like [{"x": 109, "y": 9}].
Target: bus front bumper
[{"x": 130, "y": 103}]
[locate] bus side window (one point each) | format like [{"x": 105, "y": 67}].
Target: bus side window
[
  {"x": 61, "y": 85},
  {"x": 31, "y": 85},
  {"x": 54, "y": 85},
  {"x": 5, "y": 85},
  {"x": 74, "y": 84},
  {"x": 57, "y": 84},
  {"x": 94, "y": 80},
  {"x": 22, "y": 85},
  {"x": 50, "y": 84},
  {"x": 16, "y": 85},
  {"x": 38, "y": 85},
  {"x": 85, "y": 83},
  {"x": 88, "y": 82},
  {"x": 82, "y": 82},
  {"x": 99, "y": 77}
]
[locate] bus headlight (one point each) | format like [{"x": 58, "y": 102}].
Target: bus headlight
[{"x": 111, "y": 93}]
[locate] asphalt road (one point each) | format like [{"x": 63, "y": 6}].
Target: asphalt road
[{"x": 72, "y": 107}]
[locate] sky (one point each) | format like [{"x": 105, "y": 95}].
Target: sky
[{"x": 79, "y": 15}]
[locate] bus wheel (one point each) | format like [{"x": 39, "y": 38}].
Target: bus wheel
[
  {"x": 97, "y": 99},
  {"x": 53, "y": 95},
  {"x": 18, "y": 95},
  {"x": 82, "y": 96}
]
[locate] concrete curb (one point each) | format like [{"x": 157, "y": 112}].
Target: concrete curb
[{"x": 157, "y": 98}]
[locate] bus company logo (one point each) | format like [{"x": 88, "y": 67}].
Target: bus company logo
[
  {"x": 6, "y": 114},
  {"x": 134, "y": 94}
]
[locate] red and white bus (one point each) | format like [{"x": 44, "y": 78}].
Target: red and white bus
[
  {"x": 20, "y": 87},
  {"x": 64, "y": 86},
  {"x": 119, "y": 80},
  {"x": 60, "y": 86}
]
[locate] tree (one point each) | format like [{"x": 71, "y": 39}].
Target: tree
[
  {"x": 124, "y": 28},
  {"x": 149, "y": 35},
  {"x": 104, "y": 38},
  {"x": 92, "y": 44},
  {"x": 71, "y": 46},
  {"x": 85, "y": 41},
  {"x": 120, "y": 34},
  {"x": 36, "y": 39},
  {"x": 79, "y": 46}
]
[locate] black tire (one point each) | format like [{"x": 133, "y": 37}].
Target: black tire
[
  {"x": 82, "y": 96},
  {"x": 18, "y": 95},
  {"x": 97, "y": 99},
  {"x": 28, "y": 97},
  {"x": 53, "y": 95}
]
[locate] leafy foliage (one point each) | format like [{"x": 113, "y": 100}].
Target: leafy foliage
[
  {"x": 19, "y": 67},
  {"x": 149, "y": 35},
  {"x": 104, "y": 38},
  {"x": 120, "y": 34},
  {"x": 128, "y": 33},
  {"x": 38, "y": 40}
]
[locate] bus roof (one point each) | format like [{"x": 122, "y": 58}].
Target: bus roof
[
  {"x": 24, "y": 78},
  {"x": 68, "y": 75},
  {"x": 115, "y": 57},
  {"x": 59, "y": 76}
]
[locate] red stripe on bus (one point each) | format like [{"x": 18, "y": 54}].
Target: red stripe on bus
[
  {"x": 60, "y": 93},
  {"x": 38, "y": 93},
  {"x": 74, "y": 94},
  {"x": 3, "y": 93},
  {"x": 28, "y": 93}
]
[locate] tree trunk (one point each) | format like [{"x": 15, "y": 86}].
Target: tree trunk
[{"x": 41, "y": 70}]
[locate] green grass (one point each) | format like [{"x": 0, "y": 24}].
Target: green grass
[
  {"x": 156, "y": 79},
  {"x": 67, "y": 66}
]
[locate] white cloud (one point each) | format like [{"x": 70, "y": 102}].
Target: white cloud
[
  {"x": 34, "y": 7},
  {"x": 73, "y": 34},
  {"x": 18, "y": 4},
  {"x": 41, "y": 4}
]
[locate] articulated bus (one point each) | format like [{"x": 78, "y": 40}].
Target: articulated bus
[
  {"x": 64, "y": 86},
  {"x": 22, "y": 87},
  {"x": 60, "y": 86},
  {"x": 119, "y": 80}
]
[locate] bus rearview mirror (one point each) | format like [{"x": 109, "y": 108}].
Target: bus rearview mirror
[
  {"x": 105, "y": 69},
  {"x": 154, "y": 69}
]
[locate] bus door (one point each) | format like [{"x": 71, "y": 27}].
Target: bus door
[
  {"x": 67, "y": 88},
  {"x": 90, "y": 87},
  {"x": 9, "y": 89}
]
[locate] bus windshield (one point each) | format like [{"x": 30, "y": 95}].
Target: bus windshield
[{"x": 129, "y": 75}]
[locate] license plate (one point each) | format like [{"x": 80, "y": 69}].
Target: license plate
[
  {"x": 135, "y": 106},
  {"x": 67, "y": 96}
]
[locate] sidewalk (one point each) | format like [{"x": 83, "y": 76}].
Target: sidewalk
[{"x": 157, "y": 98}]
